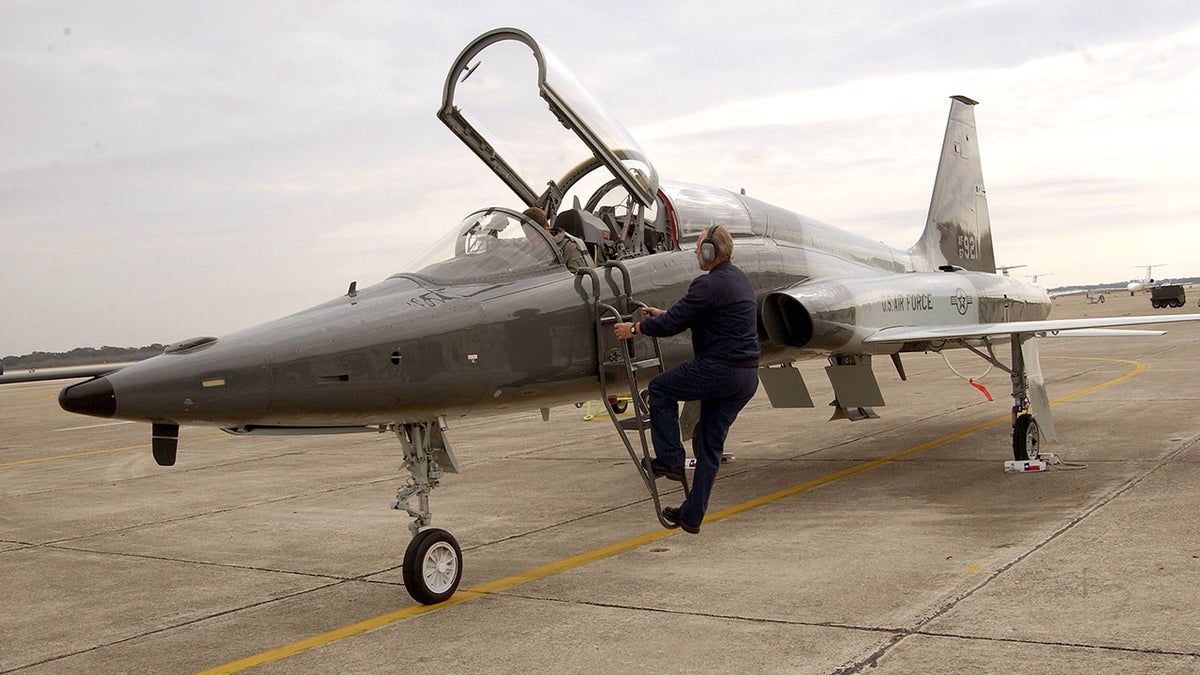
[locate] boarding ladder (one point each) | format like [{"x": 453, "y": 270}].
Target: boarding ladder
[{"x": 620, "y": 356}]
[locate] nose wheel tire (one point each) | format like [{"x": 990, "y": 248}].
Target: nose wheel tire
[
  {"x": 1027, "y": 438},
  {"x": 432, "y": 566}
]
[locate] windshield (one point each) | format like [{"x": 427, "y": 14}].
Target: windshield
[{"x": 491, "y": 242}]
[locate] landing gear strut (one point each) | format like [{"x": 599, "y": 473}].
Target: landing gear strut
[
  {"x": 433, "y": 559},
  {"x": 1031, "y": 421},
  {"x": 1029, "y": 399}
]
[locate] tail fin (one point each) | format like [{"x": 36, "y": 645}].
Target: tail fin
[{"x": 958, "y": 230}]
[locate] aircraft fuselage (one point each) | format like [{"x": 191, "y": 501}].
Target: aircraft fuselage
[{"x": 409, "y": 349}]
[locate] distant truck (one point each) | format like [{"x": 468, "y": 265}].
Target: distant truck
[{"x": 1167, "y": 295}]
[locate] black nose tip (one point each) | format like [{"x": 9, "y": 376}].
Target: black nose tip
[{"x": 94, "y": 397}]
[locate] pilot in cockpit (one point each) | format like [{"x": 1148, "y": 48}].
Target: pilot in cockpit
[{"x": 570, "y": 247}]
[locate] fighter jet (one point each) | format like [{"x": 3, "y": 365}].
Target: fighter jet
[{"x": 489, "y": 320}]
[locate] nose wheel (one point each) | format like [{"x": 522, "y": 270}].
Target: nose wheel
[{"x": 432, "y": 566}]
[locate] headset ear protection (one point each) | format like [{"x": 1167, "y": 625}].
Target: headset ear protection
[{"x": 708, "y": 248}]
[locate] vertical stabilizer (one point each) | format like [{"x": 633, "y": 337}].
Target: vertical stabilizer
[{"x": 958, "y": 230}]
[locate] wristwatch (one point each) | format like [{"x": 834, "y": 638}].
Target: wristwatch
[{"x": 633, "y": 329}]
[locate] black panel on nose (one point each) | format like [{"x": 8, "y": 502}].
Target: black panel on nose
[{"x": 94, "y": 397}]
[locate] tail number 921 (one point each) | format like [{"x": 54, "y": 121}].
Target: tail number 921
[{"x": 968, "y": 247}]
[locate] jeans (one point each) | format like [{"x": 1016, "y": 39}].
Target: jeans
[{"x": 723, "y": 391}]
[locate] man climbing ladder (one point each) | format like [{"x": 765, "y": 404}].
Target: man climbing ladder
[{"x": 721, "y": 311}]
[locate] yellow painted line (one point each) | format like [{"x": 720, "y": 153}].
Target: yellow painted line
[
  {"x": 1138, "y": 369},
  {"x": 96, "y": 426},
  {"x": 87, "y": 453},
  {"x": 484, "y": 589},
  {"x": 498, "y": 585}
]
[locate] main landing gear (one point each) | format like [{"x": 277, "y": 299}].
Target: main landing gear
[
  {"x": 1031, "y": 421},
  {"x": 433, "y": 559}
]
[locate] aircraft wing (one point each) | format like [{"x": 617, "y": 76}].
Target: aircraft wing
[
  {"x": 59, "y": 373},
  {"x": 1063, "y": 294},
  {"x": 1098, "y": 327}
]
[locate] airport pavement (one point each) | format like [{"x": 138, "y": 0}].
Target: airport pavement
[{"x": 896, "y": 545}]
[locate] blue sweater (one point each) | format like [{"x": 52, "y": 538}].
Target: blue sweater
[{"x": 721, "y": 310}]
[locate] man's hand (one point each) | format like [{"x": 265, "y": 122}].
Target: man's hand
[{"x": 623, "y": 330}]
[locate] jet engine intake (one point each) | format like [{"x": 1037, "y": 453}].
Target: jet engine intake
[{"x": 811, "y": 315}]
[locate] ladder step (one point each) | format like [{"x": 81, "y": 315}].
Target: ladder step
[
  {"x": 631, "y": 423},
  {"x": 610, "y": 319},
  {"x": 607, "y": 315},
  {"x": 643, "y": 364}
]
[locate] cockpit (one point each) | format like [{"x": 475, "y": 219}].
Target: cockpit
[
  {"x": 600, "y": 187},
  {"x": 488, "y": 243}
]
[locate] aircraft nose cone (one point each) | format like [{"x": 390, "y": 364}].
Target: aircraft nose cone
[{"x": 94, "y": 397}]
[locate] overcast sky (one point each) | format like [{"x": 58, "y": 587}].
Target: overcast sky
[{"x": 175, "y": 169}]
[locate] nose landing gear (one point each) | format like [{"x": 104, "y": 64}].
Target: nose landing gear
[{"x": 433, "y": 560}]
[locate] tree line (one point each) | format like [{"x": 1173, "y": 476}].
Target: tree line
[{"x": 81, "y": 356}]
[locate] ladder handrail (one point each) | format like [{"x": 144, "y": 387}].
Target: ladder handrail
[{"x": 603, "y": 315}]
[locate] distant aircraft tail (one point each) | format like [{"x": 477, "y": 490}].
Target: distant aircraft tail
[{"x": 958, "y": 230}]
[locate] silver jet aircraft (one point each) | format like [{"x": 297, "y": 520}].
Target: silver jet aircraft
[{"x": 489, "y": 320}]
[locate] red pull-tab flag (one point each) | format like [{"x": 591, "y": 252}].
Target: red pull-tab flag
[{"x": 982, "y": 388}]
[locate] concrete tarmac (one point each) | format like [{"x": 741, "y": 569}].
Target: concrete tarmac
[{"x": 896, "y": 545}]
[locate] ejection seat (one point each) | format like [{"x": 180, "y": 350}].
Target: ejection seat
[{"x": 586, "y": 228}]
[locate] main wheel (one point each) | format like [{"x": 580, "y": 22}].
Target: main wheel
[
  {"x": 432, "y": 566},
  {"x": 1027, "y": 438}
]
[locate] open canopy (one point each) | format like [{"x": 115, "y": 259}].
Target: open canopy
[{"x": 523, "y": 144}]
